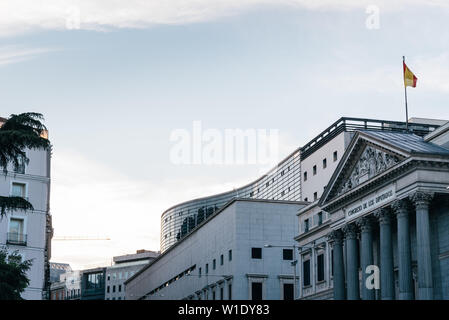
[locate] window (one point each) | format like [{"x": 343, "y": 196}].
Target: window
[
  {"x": 306, "y": 273},
  {"x": 230, "y": 255},
  {"x": 306, "y": 200},
  {"x": 256, "y": 253},
  {"x": 107, "y": 289},
  {"x": 214, "y": 264},
  {"x": 315, "y": 196},
  {"x": 306, "y": 225},
  {"x": 221, "y": 260},
  {"x": 207, "y": 268},
  {"x": 109, "y": 276},
  {"x": 335, "y": 156},
  {"x": 213, "y": 295},
  {"x": 221, "y": 293},
  {"x": 16, "y": 232},
  {"x": 199, "y": 273},
  {"x": 332, "y": 262},
  {"x": 320, "y": 267},
  {"x": 320, "y": 218},
  {"x": 288, "y": 291},
  {"x": 18, "y": 189},
  {"x": 287, "y": 254},
  {"x": 256, "y": 290},
  {"x": 113, "y": 288},
  {"x": 230, "y": 292},
  {"x": 324, "y": 163},
  {"x": 119, "y": 288},
  {"x": 20, "y": 167},
  {"x": 305, "y": 175}
]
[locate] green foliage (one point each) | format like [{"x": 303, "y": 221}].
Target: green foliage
[
  {"x": 13, "y": 278},
  {"x": 13, "y": 203},
  {"x": 18, "y": 133}
]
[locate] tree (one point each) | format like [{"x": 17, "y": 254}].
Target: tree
[
  {"x": 18, "y": 133},
  {"x": 13, "y": 278}
]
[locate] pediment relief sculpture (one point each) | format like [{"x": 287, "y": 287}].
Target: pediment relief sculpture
[{"x": 371, "y": 163}]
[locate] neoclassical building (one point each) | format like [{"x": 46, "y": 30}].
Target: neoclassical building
[{"x": 380, "y": 230}]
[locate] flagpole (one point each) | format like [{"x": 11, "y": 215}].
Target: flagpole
[{"x": 405, "y": 90}]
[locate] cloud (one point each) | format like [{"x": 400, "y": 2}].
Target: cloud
[
  {"x": 19, "y": 16},
  {"x": 15, "y": 54}
]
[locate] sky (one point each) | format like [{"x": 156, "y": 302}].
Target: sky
[{"x": 115, "y": 80}]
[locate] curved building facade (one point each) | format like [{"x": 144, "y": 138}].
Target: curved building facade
[
  {"x": 280, "y": 183},
  {"x": 285, "y": 181}
]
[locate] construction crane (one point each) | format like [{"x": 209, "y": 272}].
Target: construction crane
[{"x": 78, "y": 238}]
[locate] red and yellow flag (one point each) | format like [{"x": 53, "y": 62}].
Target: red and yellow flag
[{"x": 409, "y": 78}]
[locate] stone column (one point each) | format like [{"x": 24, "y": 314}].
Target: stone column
[
  {"x": 339, "y": 271},
  {"x": 350, "y": 231},
  {"x": 386, "y": 255},
  {"x": 421, "y": 201},
  {"x": 366, "y": 242},
  {"x": 401, "y": 209}
]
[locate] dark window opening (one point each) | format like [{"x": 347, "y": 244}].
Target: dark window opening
[
  {"x": 287, "y": 254},
  {"x": 306, "y": 273},
  {"x": 256, "y": 253},
  {"x": 288, "y": 291}
]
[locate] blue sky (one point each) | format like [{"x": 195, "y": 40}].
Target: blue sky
[{"x": 113, "y": 90}]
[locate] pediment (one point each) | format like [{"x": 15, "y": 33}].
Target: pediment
[{"x": 364, "y": 160}]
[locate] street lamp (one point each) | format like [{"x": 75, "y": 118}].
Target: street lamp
[{"x": 293, "y": 264}]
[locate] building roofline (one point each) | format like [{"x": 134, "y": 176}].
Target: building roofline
[{"x": 228, "y": 204}]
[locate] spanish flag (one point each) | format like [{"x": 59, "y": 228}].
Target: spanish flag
[{"x": 409, "y": 78}]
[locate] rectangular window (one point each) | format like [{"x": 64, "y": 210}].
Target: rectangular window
[
  {"x": 119, "y": 288},
  {"x": 314, "y": 170},
  {"x": 305, "y": 175},
  {"x": 320, "y": 218},
  {"x": 221, "y": 260},
  {"x": 221, "y": 293},
  {"x": 332, "y": 262},
  {"x": 320, "y": 267},
  {"x": 213, "y": 295},
  {"x": 256, "y": 253},
  {"x": 20, "y": 167},
  {"x": 335, "y": 156},
  {"x": 306, "y": 273},
  {"x": 108, "y": 289},
  {"x": 199, "y": 272},
  {"x": 315, "y": 196},
  {"x": 288, "y": 291},
  {"x": 230, "y": 292},
  {"x": 287, "y": 254},
  {"x": 230, "y": 255},
  {"x": 306, "y": 225},
  {"x": 214, "y": 264},
  {"x": 113, "y": 288},
  {"x": 16, "y": 232},
  {"x": 256, "y": 290},
  {"x": 18, "y": 189},
  {"x": 207, "y": 268}
]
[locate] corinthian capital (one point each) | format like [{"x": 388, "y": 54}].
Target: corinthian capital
[
  {"x": 365, "y": 224},
  {"x": 383, "y": 215},
  {"x": 421, "y": 199},
  {"x": 350, "y": 231},
  {"x": 336, "y": 236},
  {"x": 400, "y": 207}
]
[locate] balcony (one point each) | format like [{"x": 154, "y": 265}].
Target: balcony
[{"x": 17, "y": 239}]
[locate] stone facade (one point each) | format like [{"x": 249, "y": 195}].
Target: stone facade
[{"x": 394, "y": 221}]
